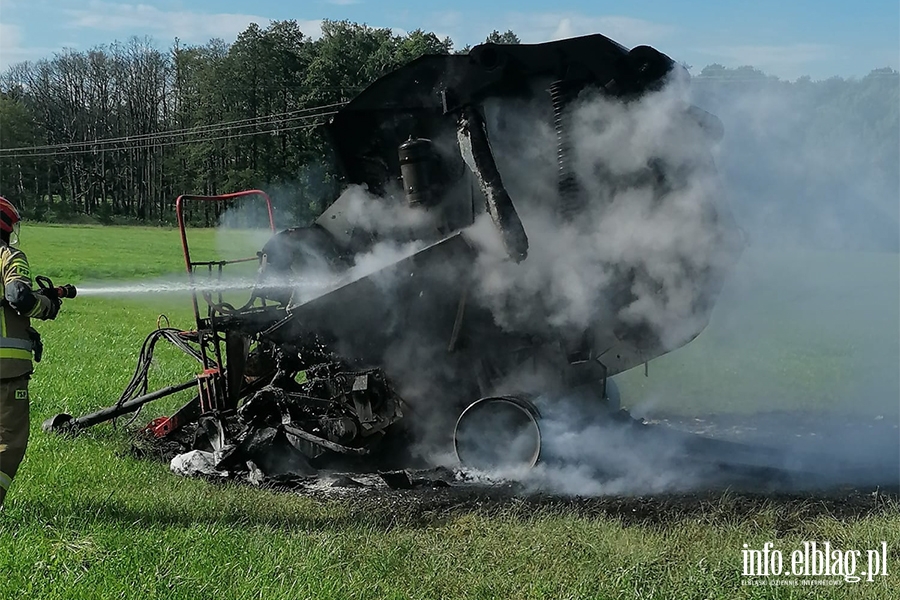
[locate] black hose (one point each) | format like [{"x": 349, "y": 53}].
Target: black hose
[{"x": 139, "y": 383}]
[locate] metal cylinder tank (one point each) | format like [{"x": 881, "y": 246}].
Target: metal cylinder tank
[{"x": 416, "y": 156}]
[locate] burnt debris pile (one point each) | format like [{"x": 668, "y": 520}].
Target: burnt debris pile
[{"x": 292, "y": 427}]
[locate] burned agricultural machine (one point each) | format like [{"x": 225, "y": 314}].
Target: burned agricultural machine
[{"x": 406, "y": 360}]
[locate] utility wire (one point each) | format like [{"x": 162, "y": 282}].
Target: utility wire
[
  {"x": 243, "y": 123},
  {"x": 277, "y": 130},
  {"x": 307, "y": 113}
]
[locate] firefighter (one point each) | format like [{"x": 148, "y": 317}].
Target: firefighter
[{"x": 17, "y": 343}]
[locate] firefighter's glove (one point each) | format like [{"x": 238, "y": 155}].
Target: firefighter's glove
[
  {"x": 55, "y": 305},
  {"x": 55, "y": 301}
]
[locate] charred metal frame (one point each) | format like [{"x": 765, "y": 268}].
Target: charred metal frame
[{"x": 211, "y": 333}]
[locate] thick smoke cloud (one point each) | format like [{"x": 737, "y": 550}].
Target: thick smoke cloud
[
  {"x": 672, "y": 234},
  {"x": 810, "y": 164},
  {"x": 668, "y": 235},
  {"x": 796, "y": 191},
  {"x": 652, "y": 205}
]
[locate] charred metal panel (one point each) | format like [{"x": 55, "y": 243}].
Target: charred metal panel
[
  {"x": 365, "y": 316},
  {"x": 422, "y": 98},
  {"x": 476, "y": 152}
]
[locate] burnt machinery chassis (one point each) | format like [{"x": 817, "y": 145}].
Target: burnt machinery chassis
[
  {"x": 276, "y": 398},
  {"x": 375, "y": 366},
  {"x": 273, "y": 382},
  {"x": 313, "y": 377}
]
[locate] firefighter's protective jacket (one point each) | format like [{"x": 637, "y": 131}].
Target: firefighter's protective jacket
[{"x": 16, "y": 345}]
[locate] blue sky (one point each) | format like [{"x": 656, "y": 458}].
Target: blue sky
[{"x": 787, "y": 38}]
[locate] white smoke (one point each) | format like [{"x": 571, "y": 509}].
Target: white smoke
[
  {"x": 388, "y": 215},
  {"x": 668, "y": 235},
  {"x": 670, "y": 238}
]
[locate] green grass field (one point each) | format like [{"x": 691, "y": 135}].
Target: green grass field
[
  {"x": 84, "y": 520},
  {"x": 804, "y": 330}
]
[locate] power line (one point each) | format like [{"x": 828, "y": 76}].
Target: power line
[
  {"x": 187, "y": 130},
  {"x": 211, "y": 128},
  {"x": 169, "y": 143},
  {"x": 153, "y": 139}
]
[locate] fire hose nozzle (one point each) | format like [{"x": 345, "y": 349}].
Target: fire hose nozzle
[{"x": 64, "y": 291}]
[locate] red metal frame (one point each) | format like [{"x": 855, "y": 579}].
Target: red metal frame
[
  {"x": 179, "y": 215},
  {"x": 209, "y": 383}
]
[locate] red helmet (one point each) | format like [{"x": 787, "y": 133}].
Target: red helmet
[{"x": 9, "y": 216}]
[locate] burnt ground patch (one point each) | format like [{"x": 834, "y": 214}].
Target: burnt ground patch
[
  {"x": 788, "y": 512},
  {"x": 426, "y": 497}
]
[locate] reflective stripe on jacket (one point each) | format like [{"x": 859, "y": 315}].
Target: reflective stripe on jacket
[{"x": 15, "y": 342}]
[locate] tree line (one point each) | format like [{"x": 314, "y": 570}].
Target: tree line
[{"x": 117, "y": 132}]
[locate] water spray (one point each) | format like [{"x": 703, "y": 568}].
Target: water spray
[
  {"x": 304, "y": 286},
  {"x": 162, "y": 287}
]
